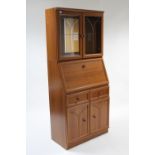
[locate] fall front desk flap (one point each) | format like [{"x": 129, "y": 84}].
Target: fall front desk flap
[{"x": 83, "y": 74}]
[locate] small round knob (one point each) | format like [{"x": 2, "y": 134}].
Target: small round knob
[
  {"x": 83, "y": 66},
  {"x": 60, "y": 12},
  {"x": 94, "y": 116},
  {"x": 77, "y": 98},
  {"x": 84, "y": 120}
]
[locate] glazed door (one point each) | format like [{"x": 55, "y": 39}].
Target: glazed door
[
  {"x": 77, "y": 118},
  {"x": 99, "y": 115},
  {"x": 70, "y": 30},
  {"x": 93, "y": 29}
]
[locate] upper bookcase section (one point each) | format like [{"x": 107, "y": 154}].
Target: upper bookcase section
[{"x": 77, "y": 34}]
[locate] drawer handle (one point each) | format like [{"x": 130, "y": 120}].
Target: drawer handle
[
  {"x": 77, "y": 98},
  {"x": 94, "y": 116},
  {"x": 84, "y": 120},
  {"x": 83, "y": 66}
]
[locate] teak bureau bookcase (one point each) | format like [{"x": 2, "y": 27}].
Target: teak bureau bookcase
[{"x": 77, "y": 78}]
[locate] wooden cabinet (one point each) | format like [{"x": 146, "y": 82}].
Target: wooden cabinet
[{"x": 77, "y": 78}]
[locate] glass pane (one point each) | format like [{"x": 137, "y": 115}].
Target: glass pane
[
  {"x": 69, "y": 36},
  {"x": 93, "y": 35}
]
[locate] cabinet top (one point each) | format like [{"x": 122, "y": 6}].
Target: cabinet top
[{"x": 75, "y": 9}]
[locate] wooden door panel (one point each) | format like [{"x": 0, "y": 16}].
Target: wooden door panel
[
  {"x": 99, "y": 115},
  {"x": 94, "y": 118},
  {"x": 77, "y": 122},
  {"x": 83, "y": 122}
]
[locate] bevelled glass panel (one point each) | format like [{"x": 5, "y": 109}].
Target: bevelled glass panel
[
  {"x": 92, "y": 35},
  {"x": 69, "y": 36}
]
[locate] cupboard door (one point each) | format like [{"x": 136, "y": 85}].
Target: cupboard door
[
  {"x": 99, "y": 115},
  {"x": 77, "y": 117},
  {"x": 93, "y": 35},
  {"x": 70, "y": 29}
]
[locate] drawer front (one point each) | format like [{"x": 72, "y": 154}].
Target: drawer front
[
  {"x": 77, "y": 98},
  {"x": 98, "y": 93}
]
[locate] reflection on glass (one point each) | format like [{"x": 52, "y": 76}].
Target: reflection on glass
[
  {"x": 93, "y": 35},
  {"x": 69, "y": 36},
  {"x": 71, "y": 28}
]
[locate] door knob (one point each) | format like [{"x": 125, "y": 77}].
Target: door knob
[
  {"x": 84, "y": 120},
  {"x": 83, "y": 66},
  {"x": 94, "y": 116},
  {"x": 77, "y": 98}
]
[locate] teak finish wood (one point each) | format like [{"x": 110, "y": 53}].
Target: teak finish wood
[
  {"x": 78, "y": 86},
  {"x": 84, "y": 74}
]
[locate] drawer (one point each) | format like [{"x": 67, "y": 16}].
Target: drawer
[
  {"x": 99, "y": 92},
  {"x": 77, "y": 98}
]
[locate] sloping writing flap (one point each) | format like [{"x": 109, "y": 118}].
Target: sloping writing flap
[{"x": 83, "y": 74}]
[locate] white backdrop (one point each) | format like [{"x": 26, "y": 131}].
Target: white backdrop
[{"x": 116, "y": 61}]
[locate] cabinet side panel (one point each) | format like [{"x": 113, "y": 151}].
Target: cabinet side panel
[
  {"x": 56, "y": 90},
  {"x": 51, "y": 34},
  {"x": 105, "y": 71}
]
